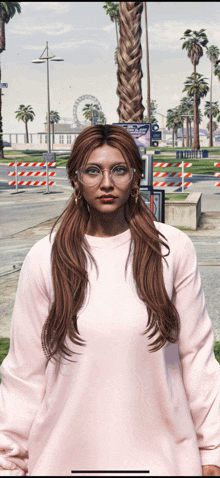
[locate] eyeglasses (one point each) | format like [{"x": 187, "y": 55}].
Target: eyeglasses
[{"x": 90, "y": 175}]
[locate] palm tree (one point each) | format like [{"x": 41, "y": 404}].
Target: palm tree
[
  {"x": 7, "y": 11},
  {"x": 194, "y": 41},
  {"x": 214, "y": 126},
  {"x": 101, "y": 118},
  {"x": 186, "y": 105},
  {"x": 180, "y": 111},
  {"x": 153, "y": 109},
  {"x": 129, "y": 72},
  {"x": 213, "y": 54},
  {"x": 196, "y": 88},
  {"x": 174, "y": 122},
  {"x": 112, "y": 9},
  {"x": 25, "y": 113},
  {"x": 211, "y": 109},
  {"x": 54, "y": 118},
  {"x": 91, "y": 112}
]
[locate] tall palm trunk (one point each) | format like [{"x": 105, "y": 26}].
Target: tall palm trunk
[
  {"x": 26, "y": 133},
  {"x": 196, "y": 145},
  {"x": 187, "y": 132},
  {"x": 190, "y": 133},
  {"x": 2, "y": 34},
  {"x": 210, "y": 120},
  {"x": 183, "y": 134},
  {"x": 148, "y": 67},
  {"x": 52, "y": 135},
  {"x": 116, "y": 31},
  {"x": 173, "y": 137},
  {"x": 129, "y": 73}
]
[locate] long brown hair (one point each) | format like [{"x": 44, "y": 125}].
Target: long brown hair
[{"x": 69, "y": 261}]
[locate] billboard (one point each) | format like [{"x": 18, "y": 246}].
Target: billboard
[{"x": 139, "y": 131}]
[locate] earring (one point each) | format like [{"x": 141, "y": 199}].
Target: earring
[
  {"x": 77, "y": 197},
  {"x": 136, "y": 195}
]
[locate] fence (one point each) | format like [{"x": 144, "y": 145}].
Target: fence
[
  {"x": 38, "y": 174},
  {"x": 172, "y": 175},
  {"x": 217, "y": 165},
  {"x": 190, "y": 153}
]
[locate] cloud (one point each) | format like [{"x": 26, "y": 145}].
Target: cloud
[
  {"x": 52, "y": 28},
  {"x": 166, "y": 35},
  {"x": 108, "y": 28},
  {"x": 66, "y": 45},
  {"x": 57, "y": 7}
]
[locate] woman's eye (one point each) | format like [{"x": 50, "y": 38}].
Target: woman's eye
[
  {"x": 120, "y": 170},
  {"x": 92, "y": 171}
]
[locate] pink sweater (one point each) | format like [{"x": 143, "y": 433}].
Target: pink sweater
[{"x": 119, "y": 407}]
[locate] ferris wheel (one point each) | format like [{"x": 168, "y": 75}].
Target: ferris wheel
[{"x": 78, "y": 116}]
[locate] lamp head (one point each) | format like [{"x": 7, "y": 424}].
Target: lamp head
[
  {"x": 56, "y": 59},
  {"x": 38, "y": 61}
]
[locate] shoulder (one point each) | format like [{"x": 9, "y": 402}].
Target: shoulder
[
  {"x": 37, "y": 264},
  {"x": 175, "y": 237},
  {"x": 181, "y": 246},
  {"x": 41, "y": 251}
]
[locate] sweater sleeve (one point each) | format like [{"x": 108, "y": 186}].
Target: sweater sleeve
[
  {"x": 23, "y": 370},
  {"x": 200, "y": 369}
]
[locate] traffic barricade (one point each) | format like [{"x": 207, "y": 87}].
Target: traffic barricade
[
  {"x": 172, "y": 175},
  {"x": 217, "y": 165},
  {"x": 38, "y": 174}
]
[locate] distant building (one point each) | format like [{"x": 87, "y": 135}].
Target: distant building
[{"x": 64, "y": 136}]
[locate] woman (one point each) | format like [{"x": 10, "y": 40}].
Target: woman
[{"x": 124, "y": 402}]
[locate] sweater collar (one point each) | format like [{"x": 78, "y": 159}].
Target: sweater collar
[{"x": 109, "y": 242}]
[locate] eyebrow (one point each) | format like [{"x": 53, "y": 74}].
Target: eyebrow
[{"x": 115, "y": 164}]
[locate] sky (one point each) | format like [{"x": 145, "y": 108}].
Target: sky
[{"x": 82, "y": 34}]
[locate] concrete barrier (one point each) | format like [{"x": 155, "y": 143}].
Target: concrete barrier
[{"x": 185, "y": 213}]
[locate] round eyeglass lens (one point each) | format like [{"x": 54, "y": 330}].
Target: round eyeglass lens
[{"x": 91, "y": 175}]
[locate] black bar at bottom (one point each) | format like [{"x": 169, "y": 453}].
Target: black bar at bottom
[{"x": 112, "y": 471}]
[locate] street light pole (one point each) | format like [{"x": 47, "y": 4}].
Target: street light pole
[
  {"x": 48, "y": 104},
  {"x": 42, "y": 59}
]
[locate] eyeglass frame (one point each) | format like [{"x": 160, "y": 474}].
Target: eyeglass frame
[{"x": 133, "y": 170}]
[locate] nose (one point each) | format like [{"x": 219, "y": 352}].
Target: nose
[{"x": 106, "y": 179}]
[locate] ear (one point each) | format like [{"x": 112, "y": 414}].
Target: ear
[{"x": 75, "y": 182}]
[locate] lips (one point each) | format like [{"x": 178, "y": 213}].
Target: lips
[{"x": 107, "y": 197}]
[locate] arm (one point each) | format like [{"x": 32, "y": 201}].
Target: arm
[
  {"x": 200, "y": 369},
  {"x": 23, "y": 370}
]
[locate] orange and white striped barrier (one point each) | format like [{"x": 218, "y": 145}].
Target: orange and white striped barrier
[
  {"x": 217, "y": 165},
  {"x": 172, "y": 175},
  {"x": 162, "y": 185},
  {"x": 33, "y": 165},
  {"x": 171, "y": 165},
  {"x": 30, "y": 173},
  {"x": 31, "y": 183}
]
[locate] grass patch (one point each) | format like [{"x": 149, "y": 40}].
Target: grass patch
[
  {"x": 4, "y": 348},
  {"x": 176, "y": 197},
  {"x": 5, "y": 342}
]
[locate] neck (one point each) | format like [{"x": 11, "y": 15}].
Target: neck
[{"x": 106, "y": 225}]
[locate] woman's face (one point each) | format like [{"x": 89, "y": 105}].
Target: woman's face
[{"x": 106, "y": 157}]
